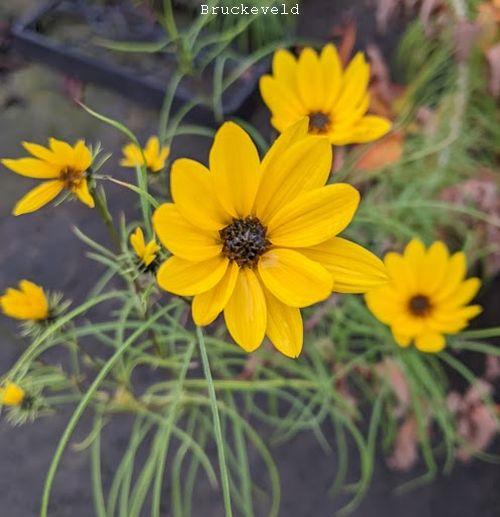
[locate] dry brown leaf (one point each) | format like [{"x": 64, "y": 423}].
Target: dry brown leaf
[
  {"x": 391, "y": 370},
  {"x": 384, "y": 152},
  {"x": 405, "y": 453},
  {"x": 347, "y": 32},
  {"x": 492, "y": 372},
  {"x": 477, "y": 424},
  {"x": 466, "y": 35},
  {"x": 493, "y": 57},
  {"x": 384, "y": 12},
  {"x": 482, "y": 192}
]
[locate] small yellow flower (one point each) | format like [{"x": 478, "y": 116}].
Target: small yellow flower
[
  {"x": 154, "y": 156},
  {"x": 63, "y": 165},
  {"x": 145, "y": 252},
  {"x": 335, "y": 100},
  {"x": 26, "y": 303},
  {"x": 12, "y": 395},
  {"x": 426, "y": 297},
  {"x": 257, "y": 239}
]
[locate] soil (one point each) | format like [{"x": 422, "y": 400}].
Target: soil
[{"x": 42, "y": 247}]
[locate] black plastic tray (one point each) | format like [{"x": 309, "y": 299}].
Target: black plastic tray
[{"x": 34, "y": 45}]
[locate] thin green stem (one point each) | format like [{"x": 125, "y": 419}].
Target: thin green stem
[{"x": 217, "y": 425}]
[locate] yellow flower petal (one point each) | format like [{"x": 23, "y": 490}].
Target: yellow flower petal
[
  {"x": 433, "y": 268},
  {"x": 355, "y": 83},
  {"x": 245, "y": 313},
  {"x": 369, "y": 128},
  {"x": 41, "y": 152},
  {"x": 132, "y": 156},
  {"x": 402, "y": 340},
  {"x": 385, "y": 304},
  {"x": 81, "y": 191},
  {"x": 63, "y": 150},
  {"x": 152, "y": 149},
  {"x": 26, "y": 303},
  {"x": 186, "y": 278},
  {"x": 285, "y": 67},
  {"x": 457, "y": 267},
  {"x": 208, "y": 305},
  {"x": 314, "y": 216},
  {"x": 354, "y": 268},
  {"x": 12, "y": 395},
  {"x": 305, "y": 166},
  {"x": 295, "y": 133},
  {"x": 294, "y": 279},
  {"x": 414, "y": 254},
  {"x": 463, "y": 295},
  {"x": 194, "y": 196},
  {"x": 235, "y": 165},
  {"x": 332, "y": 76},
  {"x": 403, "y": 277},
  {"x": 138, "y": 243},
  {"x": 431, "y": 342},
  {"x": 182, "y": 238},
  {"x": 282, "y": 102},
  {"x": 284, "y": 326},
  {"x": 310, "y": 80},
  {"x": 32, "y": 168},
  {"x": 82, "y": 157},
  {"x": 38, "y": 197}
]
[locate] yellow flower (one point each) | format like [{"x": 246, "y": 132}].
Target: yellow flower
[
  {"x": 335, "y": 100},
  {"x": 26, "y": 303},
  {"x": 145, "y": 252},
  {"x": 257, "y": 240},
  {"x": 154, "y": 156},
  {"x": 12, "y": 395},
  {"x": 63, "y": 165},
  {"x": 426, "y": 297}
]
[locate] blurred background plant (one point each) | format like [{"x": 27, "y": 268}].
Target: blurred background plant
[{"x": 132, "y": 351}]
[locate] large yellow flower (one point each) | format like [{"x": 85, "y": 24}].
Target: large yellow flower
[
  {"x": 63, "y": 165},
  {"x": 335, "y": 100},
  {"x": 426, "y": 297},
  {"x": 152, "y": 155},
  {"x": 257, "y": 240},
  {"x": 29, "y": 302},
  {"x": 12, "y": 395}
]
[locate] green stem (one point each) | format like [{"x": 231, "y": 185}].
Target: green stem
[
  {"x": 102, "y": 208},
  {"x": 63, "y": 442},
  {"x": 217, "y": 425}
]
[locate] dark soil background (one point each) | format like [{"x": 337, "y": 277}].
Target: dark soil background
[{"x": 35, "y": 104}]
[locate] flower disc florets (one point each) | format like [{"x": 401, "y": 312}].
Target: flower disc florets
[
  {"x": 420, "y": 305},
  {"x": 244, "y": 241},
  {"x": 319, "y": 123}
]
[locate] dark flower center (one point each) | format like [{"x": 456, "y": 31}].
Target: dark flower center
[
  {"x": 319, "y": 122},
  {"x": 244, "y": 241},
  {"x": 71, "y": 177},
  {"x": 420, "y": 305}
]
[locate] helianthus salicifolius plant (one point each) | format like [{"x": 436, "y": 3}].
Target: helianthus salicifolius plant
[
  {"x": 61, "y": 166},
  {"x": 316, "y": 85},
  {"x": 146, "y": 253},
  {"x": 12, "y": 394},
  {"x": 29, "y": 302},
  {"x": 258, "y": 239},
  {"x": 153, "y": 155},
  {"x": 427, "y": 296}
]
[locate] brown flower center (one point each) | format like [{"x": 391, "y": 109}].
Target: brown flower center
[
  {"x": 71, "y": 177},
  {"x": 420, "y": 305},
  {"x": 319, "y": 122},
  {"x": 244, "y": 241}
]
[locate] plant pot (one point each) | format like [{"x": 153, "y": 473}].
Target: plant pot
[{"x": 141, "y": 77}]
